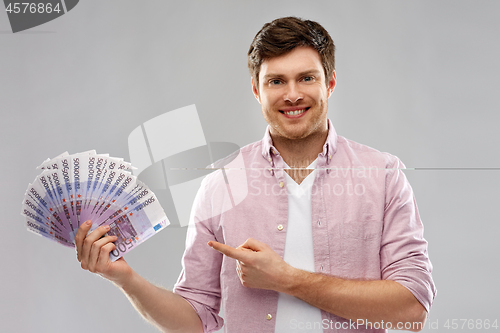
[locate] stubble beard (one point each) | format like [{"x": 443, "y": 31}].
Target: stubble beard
[{"x": 313, "y": 125}]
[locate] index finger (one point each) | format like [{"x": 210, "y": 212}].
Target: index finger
[{"x": 227, "y": 250}]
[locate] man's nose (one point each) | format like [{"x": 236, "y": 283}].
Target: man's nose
[{"x": 293, "y": 93}]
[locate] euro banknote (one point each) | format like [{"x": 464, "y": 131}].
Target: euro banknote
[{"x": 74, "y": 188}]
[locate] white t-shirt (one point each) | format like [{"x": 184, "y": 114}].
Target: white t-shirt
[{"x": 294, "y": 315}]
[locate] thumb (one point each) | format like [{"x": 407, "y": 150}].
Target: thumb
[{"x": 254, "y": 245}]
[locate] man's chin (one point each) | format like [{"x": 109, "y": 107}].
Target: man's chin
[{"x": 294, "y": 135}]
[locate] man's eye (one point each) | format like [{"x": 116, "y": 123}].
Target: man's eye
[
  {"x": 274, "y": 82},
  {"x": 308, "y": 79}
]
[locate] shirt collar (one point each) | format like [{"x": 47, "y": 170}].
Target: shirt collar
[{"x": 324, "y": 158}]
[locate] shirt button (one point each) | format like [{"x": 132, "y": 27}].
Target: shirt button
[
  {"x": 282, "y": 184},
  {"x": 269, "y": 316},
  {"x": 269, "y": 159},
  {"x": 280, "y": 227},
  {"x": 330, "y": 157}
]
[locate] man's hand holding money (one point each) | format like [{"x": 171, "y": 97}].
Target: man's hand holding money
[{"x": 93, "y": 254}]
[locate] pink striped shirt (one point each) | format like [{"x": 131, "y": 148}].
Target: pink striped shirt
[{"x": 365, "y": 225}]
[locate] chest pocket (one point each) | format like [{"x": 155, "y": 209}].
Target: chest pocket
[{"x": 360, "y": 249}]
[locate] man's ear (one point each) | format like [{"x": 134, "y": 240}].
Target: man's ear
[
  {"x": 332, "y": 83},
  {"x": 255, "y": 90}
]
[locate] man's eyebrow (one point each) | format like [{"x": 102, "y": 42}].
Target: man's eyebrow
[
  {"x": 272, "y": 76},
  {"x": 280, "y": 76},
  {"x": 310, "y": 72}
]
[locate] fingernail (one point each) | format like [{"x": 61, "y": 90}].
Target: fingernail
[{"x": 88, "y": 222}]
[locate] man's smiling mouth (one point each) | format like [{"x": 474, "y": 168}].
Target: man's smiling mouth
[{"x": 294, "y": 112}]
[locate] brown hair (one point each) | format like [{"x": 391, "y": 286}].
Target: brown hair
[{"x": 282, "y": 36}]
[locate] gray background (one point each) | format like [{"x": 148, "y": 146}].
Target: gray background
[{"x": 416, "y": 78}]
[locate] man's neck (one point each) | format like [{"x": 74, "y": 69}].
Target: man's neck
[{"x": 300, "y": 153}]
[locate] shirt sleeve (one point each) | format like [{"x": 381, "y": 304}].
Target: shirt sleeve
[
  {"x": 403, "y": 252},
  {"x": 199, "y": 281}
]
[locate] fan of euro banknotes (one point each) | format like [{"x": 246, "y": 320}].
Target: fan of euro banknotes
[{"x": 72, "y": 189}]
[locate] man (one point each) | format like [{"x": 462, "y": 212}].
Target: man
[{"x": 327, "y": 239}]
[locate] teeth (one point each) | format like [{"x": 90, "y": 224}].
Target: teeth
[{"x": 294, "y": 113}]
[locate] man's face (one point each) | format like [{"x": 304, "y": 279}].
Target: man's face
[{"x": 293, "y": 94}]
